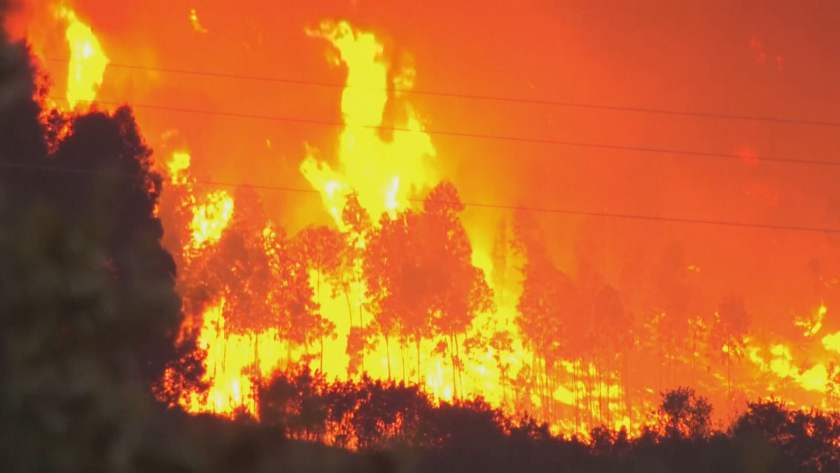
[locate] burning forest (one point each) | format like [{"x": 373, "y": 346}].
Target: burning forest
[{"x": 356, "y": 253}]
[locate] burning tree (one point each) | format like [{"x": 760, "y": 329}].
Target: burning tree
[
  {"x": 546, "y": 306},
  {"x": 466, "y": 293},
  {"x": 728, "y": 335},
  {"x": 668, "y": 311}
]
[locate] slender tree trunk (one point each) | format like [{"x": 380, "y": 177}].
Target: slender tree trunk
[
  {"x": 321, "y": 367},
  {"x": 575, "y": 368},
  {"x": 503, "y": 380},
  {"x": 599, "y": 379},
  {"x": 729, "y": 374},
  {"x": 318, "y": 283},
  {"x": 257, "y": 355},
  {"x": 402, "y": 355},
  {"x": 388, "y": 357},
  {"x": 627, "y": 399},
  {"x": 454, "y": 367},
  {"x": 609, "y": 381},
  {"x": 458, "y": 352},
  {"x": 660, "y": 356},
  {"x": 364, "y": 343},
  {"x": 218, "y": 344},
  {"x": 349, "y": 305},
  {"x": 417, "y": 342},
  {"x": 589, "y": 393}
]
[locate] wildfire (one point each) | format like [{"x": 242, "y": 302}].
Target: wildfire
[
  {"x": 87, "y": 60},
  {"x": 385, "y": 157}
]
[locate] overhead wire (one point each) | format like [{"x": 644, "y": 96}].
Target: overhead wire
[
  {"x": 557, "y": 103},
  {"x": 505, "y": 207},
  {"x": 519, "y": 139}
]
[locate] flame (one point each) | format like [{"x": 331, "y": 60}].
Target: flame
[
  {"x": 812, "y": 325},
  {"x": 210, "y": 218},
  {"x": 383, "y": 172},
  {"x": 232, "y": 361},
  {"x": 87, "y": 60},
  {"x": 178, "y": 167}
]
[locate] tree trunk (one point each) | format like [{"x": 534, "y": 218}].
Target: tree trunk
[
  {"x": 257, "y": 355},
  {"x": 318, "y": 283},
  {"x": 627, "y": 400},
  {"x": 418, "y": 360},
  {"x": 729, "y": 374},
  {"x": 575, "y": 368},
  {"x": 349, "y": 305},
  {"x": 458, "y": 352},
  {"x": 402, "y": 355},
  {"x": 599, "y": 375},
  {"x": 609, "y": 381},
  {"x": 454, "y": 367},
  {"x": 503, "y": 380},
  {"x": 388, "y": 357},
  {"x": 589, "y": 392}
]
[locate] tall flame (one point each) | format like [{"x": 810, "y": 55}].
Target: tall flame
[
  {"x": 383, "y": 172},
  {"x": 87, "y": 60}
]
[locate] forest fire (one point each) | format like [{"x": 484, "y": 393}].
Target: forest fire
[{"x": 393, "y": 288}]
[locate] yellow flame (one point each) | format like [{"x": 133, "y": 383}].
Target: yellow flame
[
  {"x": 382, "y": 171},
  {"x": 813, "y": 324},
  {"x": 87, "y": 60},
  {"x": 178, "y": 167},
  {"x": 210, "y": 218}
]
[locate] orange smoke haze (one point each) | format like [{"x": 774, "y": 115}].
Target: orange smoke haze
[{"x": 301, "y": 132}]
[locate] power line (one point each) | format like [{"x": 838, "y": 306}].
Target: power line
[
  {"x": 658, "y": 111},
  {"x": 518, "y": 139},
  {"x": 506, "y": 207}
]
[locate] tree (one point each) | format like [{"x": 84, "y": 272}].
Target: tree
[
  {"x": 613, "y": 327},
  {"x": 501, "y": 248},
  {"x": 297, "y": 315},
  {"x": 548, "y": 303},
  {"x": 465, "y": 293},
  {"x": 685, "y": 414},
  {"x": 90, "y": 319},
  {"x": 242, "y": 266},
  {"x": 349, "y": 277},
  {"x": 321, "y": 246},
  {"x": 295, "y": 401},
  {"x": 669, "y": 304},
  {"x": 727, "y": 337}
]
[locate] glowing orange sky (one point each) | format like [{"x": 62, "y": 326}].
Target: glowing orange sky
[{"x": 749, "y": 58}]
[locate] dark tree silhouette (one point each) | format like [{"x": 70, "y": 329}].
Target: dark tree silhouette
[{"x": 685, "y": 414}]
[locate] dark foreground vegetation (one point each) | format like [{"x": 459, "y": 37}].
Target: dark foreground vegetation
[{"x": 89, "y": 331}]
